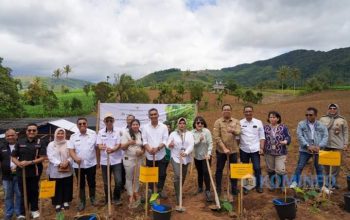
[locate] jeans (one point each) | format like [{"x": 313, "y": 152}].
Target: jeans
[
  {"x": 12, "y": 197},
  {"x": 162, "y": 164},
  {"x": 202, "y": 169},
  {"x": 220, "y": 165},
  {"x": 255, "y": 158},
  {"x": 303, "y": 159},
  {"x": 116, "y": 170}
]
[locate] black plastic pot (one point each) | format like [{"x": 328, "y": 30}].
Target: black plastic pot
[
  {"x": 161, "y": 212},
  {"x": 286, "y": 209},
  {"x": 347, "y": 202}
]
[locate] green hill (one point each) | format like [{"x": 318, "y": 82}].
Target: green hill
[
  {"x": 334, "y": 65},
  {"x": 54, "y": 83}
]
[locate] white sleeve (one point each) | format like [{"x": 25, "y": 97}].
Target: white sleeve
[
  {"x": 190, "y": 139},
  {"x": 165, "y": 135},
  {"x": 170, "y": 138},
  {"x": 70, "y": 143},
  {"x": 98, "y": 139},
  {"x": 51, "y": 154},
  {"x": 261, "y": 131},
  {"x": 144, "y": 135}
]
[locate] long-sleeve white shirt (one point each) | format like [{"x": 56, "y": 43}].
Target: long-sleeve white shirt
[
  {"x": 55, "y": 158},
  {"x": 154, "y": 136},
  {"x": 184, "y": 142}
]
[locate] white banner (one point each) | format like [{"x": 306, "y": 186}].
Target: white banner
[{"x": 167, "y": 112}]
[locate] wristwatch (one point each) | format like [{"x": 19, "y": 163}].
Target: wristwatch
[{"x": 32, "y": 162}]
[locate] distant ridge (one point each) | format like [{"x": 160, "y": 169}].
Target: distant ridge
[
  {"x": 334, "y": 64},
  {"x": 71, "y": 83}
]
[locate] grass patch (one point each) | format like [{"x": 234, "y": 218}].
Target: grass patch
[{"x": 87, "y": 101}]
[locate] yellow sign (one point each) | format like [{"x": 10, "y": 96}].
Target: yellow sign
[
  {"x": 330, "y": 158},
  {"x": 47, "y": 189},
  {"x": 149, "y": 174},
  {"x": 241, "y": 170}
]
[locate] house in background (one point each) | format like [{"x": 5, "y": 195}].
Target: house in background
[{"x": 218, "y": 86}]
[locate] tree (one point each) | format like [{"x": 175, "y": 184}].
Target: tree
[
  {"x": 295, "y": 75},
  {"x": 123, "y": 83},
  {"x": 76, "y": 104},
  {"x": 50, "y": 101},
  {"x": 196, "y": 92},
  {"x": 282, "y": 74},
  {"x": 231, "y": 85},
  {"x": 87, "y": 89},
  {"x": 10, "y": 105},
  {"x": 64, "y": 89},
  {"x": 36, "y": 90},
  {"x": 165, "y": 93},
  {"x": 67, "y": 69},
  {"x": 57, "y": 73},
  {"x": 180, "y": 90},
  {"x": 102, "y": 91}
]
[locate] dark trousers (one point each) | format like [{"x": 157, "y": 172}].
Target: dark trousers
[
  {"x": 32, "y": 185},
  {"x": 90, "y": 174},
  {"x": 202, "y": 170},
  {"x": 116, "y": 170},
  {"x": 255, "y": 159},
  {"x": 162, "y": 164},
  {"x": 63, "y": 190},
  {"x": 220, "y": 165}
]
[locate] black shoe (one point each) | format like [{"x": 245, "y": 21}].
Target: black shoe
[
  {"x": 235, "y": 192},
  {"x": 259, "y": 190},
  {"x": 245, "y": 191},
  {"x": 117, "y": 202},
  {"x": 162, "y": 195},
  {"x": 200, "y": 190},
  {"x": 81, "y": 206},
  {"x": 208, "y": 196}
]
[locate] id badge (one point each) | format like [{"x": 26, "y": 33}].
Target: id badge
[{"x": 273, "y": 147}]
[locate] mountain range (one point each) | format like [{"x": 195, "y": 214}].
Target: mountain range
[{"x": 334, "y": 64}]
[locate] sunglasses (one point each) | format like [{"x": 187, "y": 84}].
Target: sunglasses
[
  {"x": 83, "y": 123},
  {"x": 333, "y": 108},
  {"x": 307, "y": 115},
  {"x": 199, "y": 123},
  {"x": 32, "y": 130}
]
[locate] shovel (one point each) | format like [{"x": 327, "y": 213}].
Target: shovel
[
  {"x": 109, "y": 187},
  {"x": 217, "y": 201},
  {"x": 79, "y": 172},
  {"x": 25, "y": 193},
  {"x": 180, "y": 208}
]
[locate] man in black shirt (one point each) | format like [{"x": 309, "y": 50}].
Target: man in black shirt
[
  {"x": 29, "y": 154},
  {"x": 9, "y": 178}
]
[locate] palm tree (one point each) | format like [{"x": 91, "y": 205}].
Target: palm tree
[
  {"x": 295, "y": 75},
  {"x": 67, "y": 69},
  {"x": 282, "y": 74},
  {"x": 57, "y": 73}
]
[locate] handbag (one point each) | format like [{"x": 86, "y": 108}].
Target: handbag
[{"x": 66, "y": 169}]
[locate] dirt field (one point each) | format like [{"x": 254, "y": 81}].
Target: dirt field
[{"x": 256, "y": 206}]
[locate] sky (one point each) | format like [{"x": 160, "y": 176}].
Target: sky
[{"x": 100, "y": 38}]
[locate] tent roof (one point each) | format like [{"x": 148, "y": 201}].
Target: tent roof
[{"x": 70, "y": 126}]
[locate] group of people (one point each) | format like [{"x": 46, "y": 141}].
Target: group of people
[{"x": 124, "y": 150}]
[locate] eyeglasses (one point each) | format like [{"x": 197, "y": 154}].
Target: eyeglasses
[
  {"x": 83, "y": 123},
  {"x": 199, "y": 123},
  {"x": 154, "y": 114},
  {"x": 32, "y": 130},
  {"x": 307, "y": 115},
  {"x": 332, "y": 108}
]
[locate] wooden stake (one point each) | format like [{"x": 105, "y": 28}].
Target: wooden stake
[
  {"x": 228, "y": 176},
  {"x": 217, "y": 201},
  {"x": 146, "y": 203},
  {"x": 154, "y": 165},
  {"x": 78, "y": 183},
  {"x": 109, "y": 186},
  {"x": 25, "y": 193},
  {"x": 285, "y": 194},
  {"x": 241, "y": 196}
]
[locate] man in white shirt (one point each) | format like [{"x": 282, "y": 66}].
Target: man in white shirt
[
  {"x": 252, "y": 140},
  {"x": 155, "y": 136},
  {"x": 108, "y": 141},
  {"x": 82, "y": 148}
]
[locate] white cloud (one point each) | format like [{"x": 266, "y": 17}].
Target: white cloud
[{"x": 102, "y": 37}]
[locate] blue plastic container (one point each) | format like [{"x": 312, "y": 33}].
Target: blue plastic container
[{"x": 161, "y": 212}]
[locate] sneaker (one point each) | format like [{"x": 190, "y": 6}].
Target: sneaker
[
  {"x": 118, "y": 202},
  {"x": 66, "y": 206},
  {"x": 36, "y": 214},
  {"x": 21, "y": 217},
  {"x": 58, "y": 208},
  {"x": 200, "y": 190},
  {"x": 93, "y": 201},
  {"x": 259, "y": 190},
  {"x": 81, "y": 206},
  {"x": 293, "y": 185},
  {"x": 163, "y": 195},
  {"x": 326, "y": 190},
  {"x": 208, "y": 196}
]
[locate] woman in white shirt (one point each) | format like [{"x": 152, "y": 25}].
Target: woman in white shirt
[
  {"x": 180, "y": 143},
  {"x": 133, "y": 152},
  {"x": 60, "y": 170}
]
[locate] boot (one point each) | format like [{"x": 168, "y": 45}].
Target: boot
[
  {"x": 272, "y": 181},
  {"x": 82, "y": 203},
  {"x": 92, "y": 193}
]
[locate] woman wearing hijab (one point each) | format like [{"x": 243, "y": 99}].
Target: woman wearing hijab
[
  {"x": 181, "y": 144},
  {"x": 60, "y": 170},
  {"x": 133, "y": 151},
  {"x": 203, "y": 145},
  {"x": 277, "y": 138}
]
